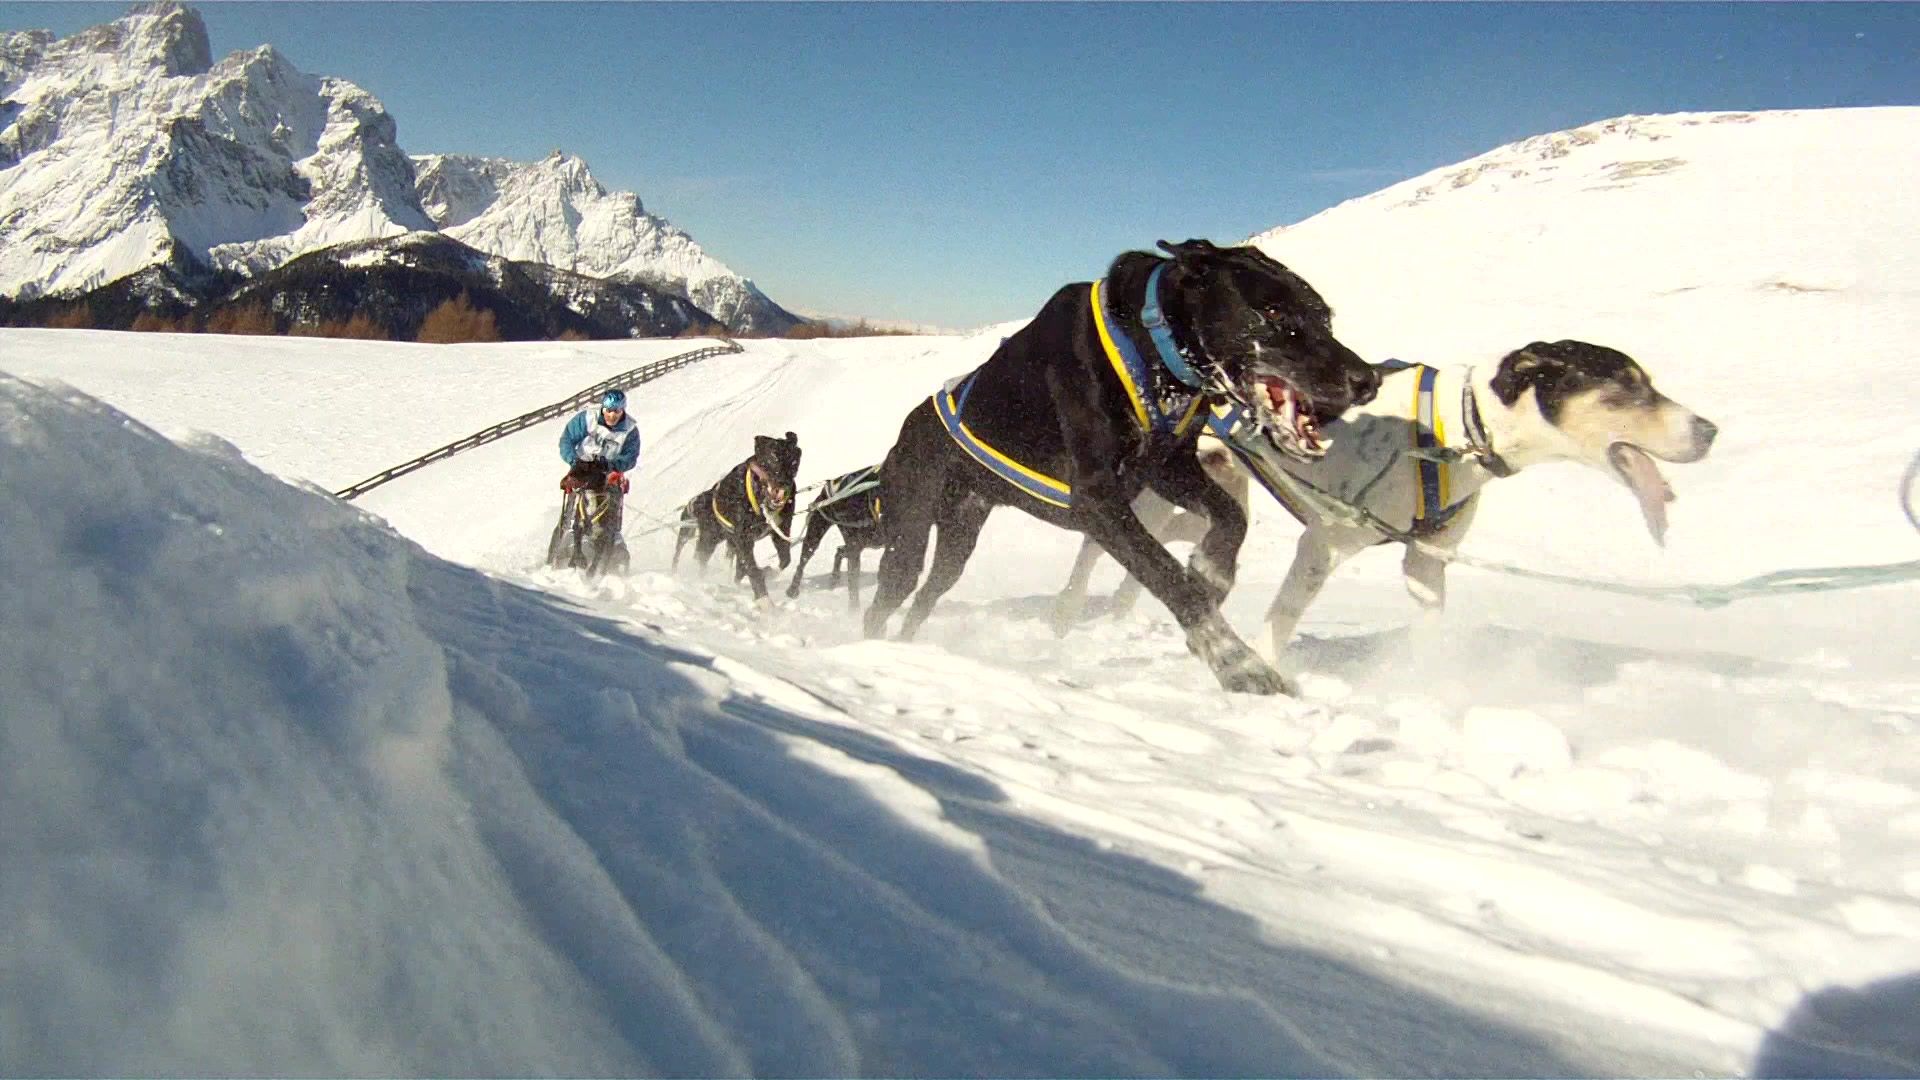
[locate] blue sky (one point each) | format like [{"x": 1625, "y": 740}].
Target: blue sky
[{"x": 954, "y": 163}]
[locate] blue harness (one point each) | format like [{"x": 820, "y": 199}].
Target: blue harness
[{"x": 1435, "y": 477}]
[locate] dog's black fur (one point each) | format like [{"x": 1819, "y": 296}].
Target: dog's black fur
[
  {"x": 774, "y": 463},
  {"x": 1049, "y": 398},
  {"x": 858, "y": 519}
]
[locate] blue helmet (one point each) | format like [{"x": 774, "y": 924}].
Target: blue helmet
[{"x": 614, "y": 399}]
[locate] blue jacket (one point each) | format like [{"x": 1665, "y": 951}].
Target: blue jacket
[{"x": 588, "y": 438}]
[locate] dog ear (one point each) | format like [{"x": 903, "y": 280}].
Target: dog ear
[
  {"x": 1539, "y": 365},
  {"x": 1516, "y": 370},
  {"x": 792, "y": 438},
  {"x": 761, "y": 443},
  {"x": 1191, "y": 247}
]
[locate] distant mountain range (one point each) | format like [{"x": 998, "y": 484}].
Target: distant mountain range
[{"x": 138, "y": 174}]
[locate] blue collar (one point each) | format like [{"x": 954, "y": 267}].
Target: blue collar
[
  {"x": 1134, "y": 374},
  {"x": 1155, "y": 321}
]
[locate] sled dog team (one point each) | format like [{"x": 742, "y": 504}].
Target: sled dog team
[{"x": 1133, "y": 410}]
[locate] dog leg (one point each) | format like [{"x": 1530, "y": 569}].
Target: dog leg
[
  {"x": 852, "y": 552},
  {"x": 1183, "y": 483},
  {"x": 703, "y": 548},
  {"x": 900, "y": 566},
  {"x": 683, "y": 532},
  {"x": 1167, "y": 524},
  {"x": 959, "y": 531},
  {"x": 1425, "y": 571},
  {"x": 1426, "y": 578},
  {"x": 1072, "y": 601},
  {"x": 745, "y": 565},
  {"x": 1125, "y": 597},
  {"x": 1238, "y": 667},
  {"x": 913, "y": 482},
  {"x": 817, "y": 526},
  {"x": 1313, "y": 563}
]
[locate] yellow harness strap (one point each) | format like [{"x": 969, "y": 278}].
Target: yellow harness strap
[
  {"x": 1136, "y": 395},
  {"x": 1048, "y": 489}
]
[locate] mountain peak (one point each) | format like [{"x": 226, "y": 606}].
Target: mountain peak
[
  {"x": 572, "y": 174},
  {"x": 553, "y": 211},
  {"x": 164, "y": 36},
  {"x": 139, "y": 150}
]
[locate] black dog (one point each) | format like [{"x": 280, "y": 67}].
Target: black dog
[
  {"x": 1102, "y": 396},
  {"x": 753, "y": 500},
  {"x": 850, "y": 503},
  {"x": 588, "y": 534}
]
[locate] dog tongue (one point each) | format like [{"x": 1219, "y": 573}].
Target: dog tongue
[{"x": 1643, "y": 477}]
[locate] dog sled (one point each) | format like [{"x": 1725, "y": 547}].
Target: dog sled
[{"x": 587, "y": 536}]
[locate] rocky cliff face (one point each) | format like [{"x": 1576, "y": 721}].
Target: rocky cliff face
[
  {"x": 127, "y": 147},
  {"x": 553, "y": 211}
]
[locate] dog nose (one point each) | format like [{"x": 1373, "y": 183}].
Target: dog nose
[
  {"x": 1703, "y": 432},
  {"x": 1364, "y": 381}
]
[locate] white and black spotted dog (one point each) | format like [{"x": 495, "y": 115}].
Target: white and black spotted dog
[{"x": 1550, "y": 401}]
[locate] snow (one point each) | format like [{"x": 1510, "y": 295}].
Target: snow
[{"x": 301, "y": 786}]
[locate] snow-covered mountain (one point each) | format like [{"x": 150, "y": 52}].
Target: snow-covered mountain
[
  {"x": 126, "y": 146},
  {"x": 553, "y": 211}
]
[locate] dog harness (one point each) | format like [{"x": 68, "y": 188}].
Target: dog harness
[
  {"x": 841, "y": 488},
  {"x": 1433, "y": 463},
  {"x": 1135, "y": 377},
  {"x": 753, "y": 500},
  {"x": 1435, "y": 477}
]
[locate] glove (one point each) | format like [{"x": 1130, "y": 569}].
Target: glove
[
  {"x": 566, "y": 484},
  {"x": 616, "y": 477}
]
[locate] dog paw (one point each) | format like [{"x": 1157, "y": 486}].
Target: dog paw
[
  {"x": 1255, "y": 678},
  {"x": 1239, "y": 669}
]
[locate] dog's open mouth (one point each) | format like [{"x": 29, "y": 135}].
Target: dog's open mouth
[
  {"x": 1287, "y": 417},
  {"x": 1636, "y": 469}
]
